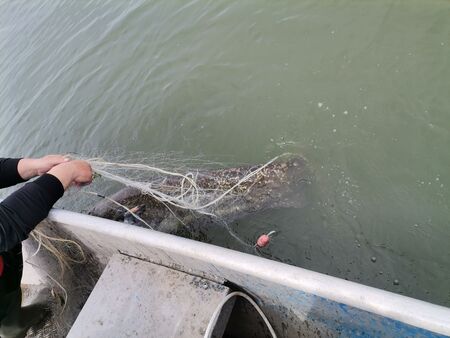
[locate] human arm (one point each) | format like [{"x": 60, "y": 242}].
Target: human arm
[
  {"x": 18, "y": 170},
  {"x": 31, "y": 167},
  {"x": 28, "y": 206}
]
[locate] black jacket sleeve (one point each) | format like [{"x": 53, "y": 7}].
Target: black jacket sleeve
[
  {"x": 9, "y": 174},
  {"x": 26, "y": 208}
]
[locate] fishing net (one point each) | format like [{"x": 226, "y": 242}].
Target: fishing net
[
  {"x": 191, "y": 190},
  {"x": 191, "y": 193},
  {"x": 59, "y": 259}
]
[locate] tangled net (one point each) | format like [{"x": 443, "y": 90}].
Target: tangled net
[
  {"x": 65, "y": 251},
  {"x": 173, "y": 189}
]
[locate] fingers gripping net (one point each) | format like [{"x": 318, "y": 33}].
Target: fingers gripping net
[{"x": 174, "y": 189}]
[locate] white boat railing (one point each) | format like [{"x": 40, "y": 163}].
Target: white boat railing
[{"x": 125, "y": 237}]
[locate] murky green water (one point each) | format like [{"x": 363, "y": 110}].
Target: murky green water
[{"x": 360, "y": 88}]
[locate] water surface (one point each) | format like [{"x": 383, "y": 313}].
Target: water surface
[{"x": 360, "y": 88}]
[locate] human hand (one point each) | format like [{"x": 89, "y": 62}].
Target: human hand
[
  {"x": 82, "y": 172},
  {"x": 76, "y": 172},
  {"x": 31, "y": 167},
  {"x": 44, "y": 164}
]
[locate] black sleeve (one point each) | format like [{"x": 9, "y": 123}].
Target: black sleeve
[
  {"x": 26, "y": 208},
  {"x": 9, "y": 175}
]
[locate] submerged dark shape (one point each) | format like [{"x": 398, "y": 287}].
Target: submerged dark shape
[{"x": 282, "y": 184}]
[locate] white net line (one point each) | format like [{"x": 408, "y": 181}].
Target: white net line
[{"x": 175, "y": 189}]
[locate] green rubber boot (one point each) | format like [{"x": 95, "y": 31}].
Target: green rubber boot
[{"x": 18, "y": 320}]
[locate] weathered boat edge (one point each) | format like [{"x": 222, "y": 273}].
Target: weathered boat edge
[{"x": 289, "y": 294}]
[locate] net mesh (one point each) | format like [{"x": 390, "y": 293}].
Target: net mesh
[{"x": 179, "y": 189}]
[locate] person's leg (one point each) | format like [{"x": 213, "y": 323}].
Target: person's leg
[
  {"x": 10, "y": 292},
  {"x": 11, "y": 304},
  {"x": 19, "y": 319},
  {"x": 15, "y": 320}
]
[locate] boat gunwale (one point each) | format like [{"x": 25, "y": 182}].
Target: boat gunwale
[{"x": 432, "y": 317}]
